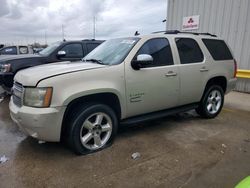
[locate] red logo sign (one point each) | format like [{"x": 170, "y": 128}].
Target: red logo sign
[{"x": 190, "y": 21}]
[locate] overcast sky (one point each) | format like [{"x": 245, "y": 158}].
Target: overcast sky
[{"x": 25, "y": 21}]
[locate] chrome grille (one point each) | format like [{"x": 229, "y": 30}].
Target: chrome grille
[{"x": 17, "y": 94}]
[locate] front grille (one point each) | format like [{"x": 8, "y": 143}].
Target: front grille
[{"x": 17, "y": 94}]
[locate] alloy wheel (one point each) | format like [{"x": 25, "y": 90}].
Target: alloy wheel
[
  {"x": 96, "y": 131},
  {"x": 214, "y": 101}
]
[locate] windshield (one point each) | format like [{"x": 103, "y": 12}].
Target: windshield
[
  {"x": 47, "y": 51},
  {"x": 113, "y": 51}
]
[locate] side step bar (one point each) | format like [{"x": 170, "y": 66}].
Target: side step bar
[{"x": 159, "y": 114}]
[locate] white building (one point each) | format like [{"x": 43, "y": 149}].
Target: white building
[{"x": 228, "y": 19}]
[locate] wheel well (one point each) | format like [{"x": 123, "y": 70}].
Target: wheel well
[
  {"x": 108, "y": 99},
  {"x": 219, "y": 80}
]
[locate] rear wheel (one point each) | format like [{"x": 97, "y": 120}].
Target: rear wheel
[
  {"x": 92, "y": 128},
  {"x": 212, "y": 102}
]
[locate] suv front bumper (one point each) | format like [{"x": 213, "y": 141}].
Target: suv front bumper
[{"x": 40, "y": 123}]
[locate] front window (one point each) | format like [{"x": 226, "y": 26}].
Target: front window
[
  {"x": 47, "y": 51},
  {"x": 113, "y": 51},
  {"x": 73, "y": 51},
  {"x": 160, "y": 50}
]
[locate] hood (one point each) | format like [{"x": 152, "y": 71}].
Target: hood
[
  {"x": 30, "y": 76},
  {"x": 4, "y": 58}
]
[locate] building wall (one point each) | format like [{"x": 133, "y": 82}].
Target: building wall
[{"x": 229, "y": 19}]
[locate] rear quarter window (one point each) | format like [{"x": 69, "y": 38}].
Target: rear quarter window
[
  {"x": 218, "y": 49},
  {"x": 23, "y": 50}
]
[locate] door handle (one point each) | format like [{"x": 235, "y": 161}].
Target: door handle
[
  {"x": 171, "y": 73},
  {"x": 204, "y": 69}
]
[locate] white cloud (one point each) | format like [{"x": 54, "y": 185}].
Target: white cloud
[{"x": 27, "y": 20}]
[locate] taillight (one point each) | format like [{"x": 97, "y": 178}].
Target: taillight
[{"x": 235, "y": 68}]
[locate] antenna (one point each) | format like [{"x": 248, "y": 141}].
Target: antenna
[
  {"x": 137, "y": 33},
  {"x": 94, "y": 29},
  {"x": 45, "y": 37}
]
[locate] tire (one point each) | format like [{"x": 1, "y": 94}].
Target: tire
[
  {"x": 92, "y": 128},
  {"x": 211, "y": 103}
]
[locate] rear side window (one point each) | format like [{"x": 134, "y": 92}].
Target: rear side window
[
  {"x": 23, "y": 50},
  {"x": 160, "y": 50},
  {"x": 189, "y": 51},
  {"x": 218, "y": 49},
  {"x": 9, "y": 51}
]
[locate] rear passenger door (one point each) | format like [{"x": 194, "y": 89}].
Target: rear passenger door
[
  {"x": 193, "y": 70},
  {"x": 155, "y": 86}
]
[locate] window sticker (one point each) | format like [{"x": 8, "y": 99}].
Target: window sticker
[{"x": 128, "y": 41}]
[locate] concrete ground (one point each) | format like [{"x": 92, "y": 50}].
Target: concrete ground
[{"x": 177, "y": 151}]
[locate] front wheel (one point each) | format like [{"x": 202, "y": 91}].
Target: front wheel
[
  {"x": 212, "y": 102},
  {"x": 92, "y": 128}
]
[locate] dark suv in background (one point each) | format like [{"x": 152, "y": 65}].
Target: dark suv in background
[{"x": 59, "y": 51}]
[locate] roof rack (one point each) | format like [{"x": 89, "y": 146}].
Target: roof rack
[
  {"x": 177, "y": 32},
  {"x": 88, "y": 40}
]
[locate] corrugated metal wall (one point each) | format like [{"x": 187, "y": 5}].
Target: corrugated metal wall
[{"x": 229, "y": 19}]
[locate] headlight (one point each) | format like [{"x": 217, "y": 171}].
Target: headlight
[
  {"x": 37, "y": 97},
  {"x": 5, "y": 67}
]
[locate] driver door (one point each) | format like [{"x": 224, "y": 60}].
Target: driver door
[{"x": 155, "y": 86}]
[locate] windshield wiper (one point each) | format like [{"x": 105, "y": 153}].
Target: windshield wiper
[{"x": 95, "y": 61}]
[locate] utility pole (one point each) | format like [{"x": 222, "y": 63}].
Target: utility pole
[
  {"x": 45, "y": 37},
  {"x": 94, "y": 29},
  {"x": 62, "y": 32}
]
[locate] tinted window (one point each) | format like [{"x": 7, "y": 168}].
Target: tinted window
[
  {"x": 23, "y": 50},
  {"x": 73, "y": 50},
  {"x": 91, "y": 46},
  {"x": 9, "y": 51},
  {"x": 189, "y": 51},
  {"x": 160, "y": 50},
  {"x": 218, "y": 49}
]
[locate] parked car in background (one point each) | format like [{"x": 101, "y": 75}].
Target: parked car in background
[
  {"x": 123, "y": 81},
  {"x": 59, "y": 51},
  {"x": 16, "y": 50}
]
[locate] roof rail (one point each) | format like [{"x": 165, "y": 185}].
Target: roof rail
[
  {"x": 167, "y": 32},
  {"x": 212, "y": 35},
  {"x": 177, "y": 32},
  {"x": 88, "y": 40}
]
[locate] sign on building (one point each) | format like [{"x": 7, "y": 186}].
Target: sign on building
[{"x": 191, "y": 22}]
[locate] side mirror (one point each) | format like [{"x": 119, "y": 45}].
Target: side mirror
[
  {"x": 61, "y": 54},
  {"x": 141, "y": 61}
]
